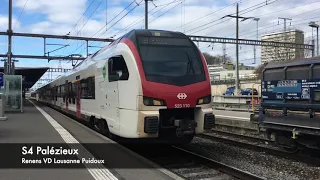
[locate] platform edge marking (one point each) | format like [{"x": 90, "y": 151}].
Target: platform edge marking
[
  {"x": 232, "y": 117},
  {"x": 161, "y": 169},
  {"x": 99, "y": 173}
]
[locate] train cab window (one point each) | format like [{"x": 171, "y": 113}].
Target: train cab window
[{"x": 117, "y": 69}]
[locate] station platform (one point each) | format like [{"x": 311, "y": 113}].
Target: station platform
[
  {"x": 235, "y": 121},
  {"x": 244, "y": 116},
  {"x": 41, "y": 124}
]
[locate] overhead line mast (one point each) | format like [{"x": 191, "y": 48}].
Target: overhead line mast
[
  {"x": 146, "y": 14},
  {"x": 237, "y": 44}
]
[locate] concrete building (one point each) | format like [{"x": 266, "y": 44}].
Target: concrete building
[
  {"x": 243, "y": 74},
  {"x": 269, "y": 53},
  {"x": 227, "y": 71}
]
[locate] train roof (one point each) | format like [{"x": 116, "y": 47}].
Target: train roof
[
  {"x": 298, "y": 62},
  {"x": 154, "y": 32}
]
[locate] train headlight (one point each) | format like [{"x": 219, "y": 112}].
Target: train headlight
[
  {"x": 148, "y": 101},
  {"x": 204, "y": 100}
]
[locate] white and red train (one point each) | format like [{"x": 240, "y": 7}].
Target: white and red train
[{"x": 148, "y": 84}]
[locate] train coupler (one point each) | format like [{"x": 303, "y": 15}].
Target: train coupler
[{"x": 185, "y": 126}]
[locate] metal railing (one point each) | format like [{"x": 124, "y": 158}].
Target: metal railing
[{"x": 232, "y": 79}]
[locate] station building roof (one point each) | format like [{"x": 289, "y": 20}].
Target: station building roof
[{"x": 30, "y": 75}]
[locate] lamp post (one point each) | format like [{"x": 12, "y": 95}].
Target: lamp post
[
  {"x": 256, "y": 19},
  {"x": 314, "y": 25}
]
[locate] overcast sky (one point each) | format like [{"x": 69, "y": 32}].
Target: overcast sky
[{"x": 193, "y": 17}]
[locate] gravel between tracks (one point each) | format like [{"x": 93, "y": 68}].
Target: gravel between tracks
[{"x": 259, "y": 163}]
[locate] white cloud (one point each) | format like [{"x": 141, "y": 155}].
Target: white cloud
[
  {"x": 59, "y": 11},
  {"x": 4, "y": 22},
  {"x": 61, "y": 15}
]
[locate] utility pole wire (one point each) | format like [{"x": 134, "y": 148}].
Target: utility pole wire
[
  {"x": 261, "y": 27},
  {"x": 80, "y": 17},
  {"x": 204, "y": 16},
  {"x": 105, "y": 25},
  {"x": 228, "y": 19},
  {"x": 91, "y": 15},
  {"x": 121, "y": 11},
  {"x": 142, "y": 17},
  {"x": 111, "y": 26},
  {"x": 85, "y": 22},
  {"x": 120, "y": 19},
  {"x": 166, "y": 12},
  {"x": 20, "y": 14}
]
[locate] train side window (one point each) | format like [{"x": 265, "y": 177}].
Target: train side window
[
  {"x": 91, "y": 88},
  {"x": 70, "y": 92},
  {"x": 117, "y": 69},
  {"x": 57, "y": 93},
  {"x": 316, "y": 71},
  {"x": 274, "y": 74},
  {"x": 298, "y": 72},
  {"x": 88, "y": 88},
  {"x": 62, "y": 92},
  {"x": 74, "y": 91},
  {"x": 84, "y": 87}
]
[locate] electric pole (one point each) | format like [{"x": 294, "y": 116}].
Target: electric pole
[
  {"x": 312, "y": 24},
  {"x": 237, "y": 86},
  {"x": 224, "y": 52},
  {"x": 237, "y": 53},
  {"x": 146, "y": 13},
  {"x": 254, "y": 47},
  {"x": 9, "y": 39},
  {"x": 285, "y": 32},
  {"x": 106, "y": 15}
]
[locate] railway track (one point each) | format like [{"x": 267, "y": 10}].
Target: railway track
[
  {"x": 259, "y": 144},
  {"x": 186, "y": 164},
  {"x": 189, "y": 165}
]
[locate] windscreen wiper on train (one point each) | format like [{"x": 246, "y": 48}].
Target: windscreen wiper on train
[{"x": 190, "y": 64}]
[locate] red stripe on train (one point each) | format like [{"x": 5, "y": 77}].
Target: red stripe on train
[{"x": 169, "y": 93}]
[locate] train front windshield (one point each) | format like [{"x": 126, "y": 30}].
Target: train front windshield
[{"x": 174, "y": 61}]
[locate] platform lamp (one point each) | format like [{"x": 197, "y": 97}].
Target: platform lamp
[
  {"x": 254, "y": 47},
  {"x": 314, "y": 25}
]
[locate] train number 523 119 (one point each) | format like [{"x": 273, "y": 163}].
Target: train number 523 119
[{"x": 181, "y": 105}]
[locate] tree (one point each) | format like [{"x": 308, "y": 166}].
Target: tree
[
  {"x": 258, "y": 71},
  {"x": 215, "y": 59}
]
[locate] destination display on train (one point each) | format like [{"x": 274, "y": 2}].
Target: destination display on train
[
  {"x": 164, "y": 41},
  {"x": 291, "y": 89}
]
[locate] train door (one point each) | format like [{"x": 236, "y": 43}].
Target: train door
[
  {"x": 67, "y": 95},
  {"x": 112, "y": 94},
  {"x": 78, "y": 99}
]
